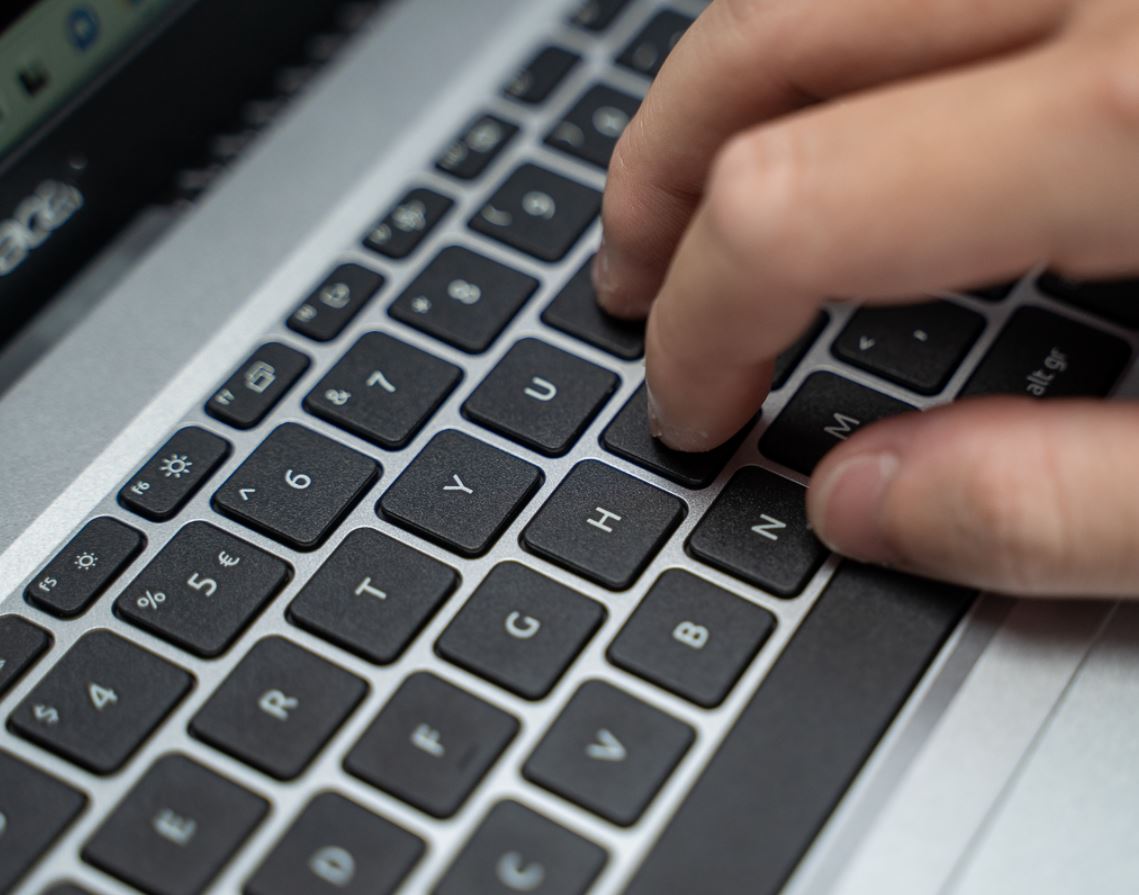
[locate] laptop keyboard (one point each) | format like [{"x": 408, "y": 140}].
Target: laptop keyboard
[{"x": 399, "y": 458}]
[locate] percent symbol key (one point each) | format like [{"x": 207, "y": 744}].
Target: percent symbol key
[{"x": 203, "y": 589}]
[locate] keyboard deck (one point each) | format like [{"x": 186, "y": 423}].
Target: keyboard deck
[{"x": 412, "y": 602}]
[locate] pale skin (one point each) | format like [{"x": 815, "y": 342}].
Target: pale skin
[{"x": 795, "y": 151}]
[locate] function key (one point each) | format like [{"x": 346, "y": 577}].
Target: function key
[
  {"x": 460, "y": 492},
  {"x": 516, "y": 850},
  {"x": 202, "y": 589},
  {"x": 648, "y": 50},
  {"x": 1044, "y": 355},
  {"x": 538, "y": 212},
  {"x": 383, "y": 390},
  {"x": 296, "y": 486},
  {"x": 98, "y": 704},
  {"x": 174, "y": 474},
  {"x": 691, "y": 637},
  {"x": 476, "y": 147},
  {"x": 431, "y": 744},
  {"x": 609, "y": 753},
  {"x": 786, "y": 363},
  {"x": 575, "y": 311},
  {"x": 917, "y": 346},
  {"x": 176, "y": 829},
  {"x": 589, "y": 131},
  {"x": 337, "y": 846},
  {"x": 335, "y": 302},
  {"x": 85, "y": 567},
  {"x": 757, "y": 530},
  {"x": 21, "y": 645},
  {"x": 278, "y": 707},
  {"x": 521, "y": 630},
  {"x": 825, "y": 411},
  {"x": 463, "y": 299},
  {"x": 402, "y": 229},
  {"x": 541, "y": 397},
  {"x": 34, "y": 810},
  {"x": 257, "y": 385},
  {"x": 629, "y": 436},
  {"x": 541, "y": 75},
  {"x": 603, "y": 524},
  {"x": 373, "y": 595},
  {"x": 597, "y": 15},
  {"x": 1115, "y": 300}
]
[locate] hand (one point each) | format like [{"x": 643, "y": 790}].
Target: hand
[{"x": 796, "y": 150}]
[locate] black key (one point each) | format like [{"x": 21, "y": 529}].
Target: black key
[
  {"x": 297, "y": 486},
  {"x": 538, "y": 212},
  {"x": 589, "y": 131},
  {"x": 257, "y": 385},
  {"x": 21, "y": 645},
  {"x": 401, "y": 230},
  {"x": 335, "y": 302},
  {"x": 463, "y": 299},
  {"x": 917, "y": 346},
  {"x": 575, "y": 311},
  {"x": 521, "y": 630},
  {"x": 176, "y": 829},
  {"x": 757, "y": 530},
  {"x": 1044, "y": 355},
  {"x": 541, "y": 75},
  {"x": 603, "y": 524},
  {"x": 335, "y": 846},
  {"x": 460, "y": 492},
  {"x": 597, "y": 15},
  {"x": 994, "y": 292},
  {"x": 278, "y": 707},
  {"x": 85, "y": 567},
  {"x": 66, "y": 889},
  {"x": 786, "y": 363},
  {"x": 629, "y": 436},
  {"x": 100, "y": 701},
  {"x": 203, "y": 589},
  {"x": 373, "y": 595},
  {"x": 476, "y": 147},
  {"x": 383, "y": 390},
  {"x": 609, "y": 753},
  {"x": 431, "y": 744},
  {"x": 648, "y": 50},
  {"x": 804, "y": 735},
  {"x": 541, "y": 397},
  {"x": 691, "y": 637},
  {"x": 516, "y": 850},
  {"x": 1115, "y": 300},
  {"x": 826, "y": 410},
  {"x": 174, "y": 474},
  {"x": 34, "y": 810}
]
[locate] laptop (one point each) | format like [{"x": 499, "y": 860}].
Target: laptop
[{"x": 335, "y": 556}]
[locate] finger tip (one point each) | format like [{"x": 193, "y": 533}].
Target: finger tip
[{"x": 844, "y": 504}]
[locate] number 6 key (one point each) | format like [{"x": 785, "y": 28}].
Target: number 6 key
[{"x": 296, "y": 486}]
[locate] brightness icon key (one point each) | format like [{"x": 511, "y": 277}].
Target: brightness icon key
[{"x": 173, "y": 475}]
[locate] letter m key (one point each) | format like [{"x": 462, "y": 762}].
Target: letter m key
[{"x": 842, "y": 427}]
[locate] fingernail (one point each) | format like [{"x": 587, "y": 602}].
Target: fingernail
[
  {"x": 679, "y": 438},
  {"x": 846, "y": 507},
  {"x": 601, "y": 272}
]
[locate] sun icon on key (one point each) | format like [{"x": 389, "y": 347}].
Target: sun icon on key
[
  {"x": 175, "y": 466},
  {"x": 86, "y": 560}
]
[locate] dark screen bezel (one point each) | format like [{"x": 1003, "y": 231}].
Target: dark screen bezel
[{"x": 122, "y": 139}]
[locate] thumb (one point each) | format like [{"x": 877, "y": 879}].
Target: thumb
[{"x": 1010, "y": 495}]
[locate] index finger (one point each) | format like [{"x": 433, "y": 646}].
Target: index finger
[{"x": 746, "y": 61}]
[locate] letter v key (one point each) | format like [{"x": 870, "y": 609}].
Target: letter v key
[{"x": 606, "y": 747}]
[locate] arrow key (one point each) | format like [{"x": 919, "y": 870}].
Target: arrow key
[{"x": 609, "y": 753}]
